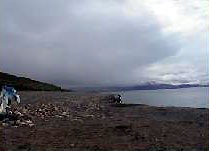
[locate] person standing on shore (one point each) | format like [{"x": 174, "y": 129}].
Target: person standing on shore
[
  {"x": 8, "y": 94},
  {"x": 119, "y": 99}
]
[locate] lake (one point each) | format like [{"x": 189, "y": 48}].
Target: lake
[{"x": 185, "y": 97}]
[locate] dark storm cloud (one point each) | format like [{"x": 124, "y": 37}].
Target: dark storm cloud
[{"x": 80, "y": 42}]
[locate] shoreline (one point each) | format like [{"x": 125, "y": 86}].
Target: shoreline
[{"x": 88, "y": 121}]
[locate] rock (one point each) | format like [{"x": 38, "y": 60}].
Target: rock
[
  {"x": 29, "y": 122},
  {"x": 64, "y": 114},
  {"x": 78, "y": 120},
  {"x": 24, "y": 110},
  {"x": 56, "y": 108},
  {"x": 89, "y": 115},
  {"x": 58, "y": 116},
  {"x": 18, "y": 113},
  {"x": 5, "y": 124},
  {"x": 31, "y": 125}
]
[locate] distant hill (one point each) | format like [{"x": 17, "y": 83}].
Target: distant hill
[
  {"x": 160, "y": 86},
  {"x": 146, "y": 86},
  {"x": 26, "y": 84}
]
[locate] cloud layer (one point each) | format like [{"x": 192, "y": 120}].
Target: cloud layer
[{"x": 97, "y": 42}]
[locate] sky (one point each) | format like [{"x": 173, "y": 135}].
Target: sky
[{"x": 105, "y": 42}]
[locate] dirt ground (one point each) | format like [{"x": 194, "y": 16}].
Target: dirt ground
[{"x": 72, "y": 121}]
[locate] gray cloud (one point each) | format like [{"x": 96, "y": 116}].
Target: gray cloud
[{"x": 72, "y": 42}]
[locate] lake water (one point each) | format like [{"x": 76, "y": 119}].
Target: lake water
[{"x": 186, "y": 97}]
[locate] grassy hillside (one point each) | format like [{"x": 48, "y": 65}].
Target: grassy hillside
[{"x": 21, "y": 83}]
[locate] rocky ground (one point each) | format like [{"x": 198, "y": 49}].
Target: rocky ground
[{"x": 63, "y": 121}]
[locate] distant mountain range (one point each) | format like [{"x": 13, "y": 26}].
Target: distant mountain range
[
  {"x": 26, "y": 84},
  {"x": 146, "y": 86},
  {"x": 157, "y": 86}
]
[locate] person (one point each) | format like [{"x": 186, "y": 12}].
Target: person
[
  {"x": 119, "y": 99},
  {"x": 8, "y": 94}
]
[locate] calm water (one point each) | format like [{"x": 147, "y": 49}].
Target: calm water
[{"x": 186, "y": 97}]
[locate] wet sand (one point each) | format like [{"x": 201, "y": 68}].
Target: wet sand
[{"x": 65, "y": 121}]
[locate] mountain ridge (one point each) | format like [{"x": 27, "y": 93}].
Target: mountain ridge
[{"x": 146, "y": 86}]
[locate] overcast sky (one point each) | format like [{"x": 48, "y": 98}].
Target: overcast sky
[{"x": 105, "y": 42}]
